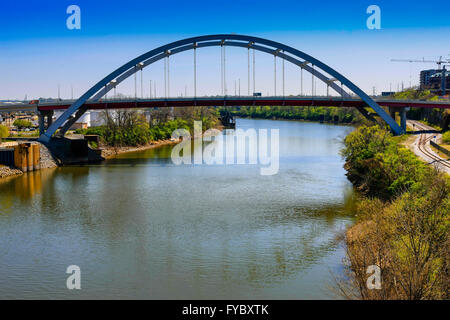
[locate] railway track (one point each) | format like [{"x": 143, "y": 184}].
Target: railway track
[{"x": 423, "y": 140}]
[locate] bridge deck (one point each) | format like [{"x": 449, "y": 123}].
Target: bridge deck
[{"x": 224, "y": 101}]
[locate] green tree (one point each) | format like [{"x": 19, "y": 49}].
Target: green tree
[
  {"x": 20, "y": 123},
  {"x": 446, "y": 137},
  {"x": 378, "y": 165},
  {"x": 4, "y": 132}
]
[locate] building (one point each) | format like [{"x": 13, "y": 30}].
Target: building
[
  {"x": 425, "y": 76},
  {"x": 435, "y": 82},
  {"x": 92, "y": 118},
  {"x": 431, "y": 80}
]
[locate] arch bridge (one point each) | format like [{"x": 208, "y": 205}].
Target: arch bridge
[{"x": 315, "y": 67}]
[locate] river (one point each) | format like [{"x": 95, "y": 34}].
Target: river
[{"x": 139, "y": 226}]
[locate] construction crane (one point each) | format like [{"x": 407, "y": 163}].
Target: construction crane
[
  {"x": 439, "y": 62},
  {"x": 441, "y": 66}
]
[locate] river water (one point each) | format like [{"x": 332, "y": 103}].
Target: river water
[{"x": 139, "y": 226}]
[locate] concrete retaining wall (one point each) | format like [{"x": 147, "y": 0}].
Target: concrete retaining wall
[{"x": 442, "y": 149}]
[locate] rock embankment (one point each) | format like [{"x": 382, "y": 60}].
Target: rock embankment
[
  {"x": 47, "y": 161},
  {"x": 7, "y": 171}
]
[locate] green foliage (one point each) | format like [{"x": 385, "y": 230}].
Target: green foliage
[
  {"x": 345, "y": 115},
  {"x": 378, "y": 165},
  {"x": 408, "y": 238},
  {"x": 446, "y": 137},
  {"x": 4, "y": 132},
  {"x": 403, "y": 222},
  {"x": 413, "y": 94},
  {"x": 93, "y": 144},
  {"x": 20, "y": 123},
  {"x": 130, "y": 129}
]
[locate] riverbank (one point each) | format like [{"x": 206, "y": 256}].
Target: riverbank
[
  {"x": 313, "y": 114},
  {"x": 402, "y": 220},
  {"x": 108, "y": 152}
]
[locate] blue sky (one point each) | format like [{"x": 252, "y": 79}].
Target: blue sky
[{"x": 38, "y": 52}]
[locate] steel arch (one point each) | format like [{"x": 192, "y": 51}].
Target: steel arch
[{"x": 261, "y": 44}]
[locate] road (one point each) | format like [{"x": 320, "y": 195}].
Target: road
[{"x": 421, "y": 146}]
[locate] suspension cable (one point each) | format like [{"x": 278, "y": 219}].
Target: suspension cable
[
  {"x": 283, "y": 75},
  {"x": 248, "y": 75},
  {"x": 135, "y": 85},
  {"x": 168, "y": 75},
  {"x": 221, "y": 70},
  {"x": 275, "y": 75},
  {"x": 165, "y": 77},
  {"x": 224, "y": 70},
  {"x": 301, "y": 81},
  {"x": 195, "y": 70},
  {"x": 254, "y": 86}
]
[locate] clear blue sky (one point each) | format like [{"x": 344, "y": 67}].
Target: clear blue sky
[{"x": 38, "y": 52}]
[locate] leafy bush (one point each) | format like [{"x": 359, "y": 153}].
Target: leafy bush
[
  {"x": 408, "y": 239},
  {"x": 346, "y": 115},
  {"x": 20, "y": 123},
  {"x": 4, "y": 132},
  {"x": 378, "y": 166},
  {"x": 403, "y": 224},
  {"x": 446, "y": 137},
  {"x": 130, "y": 129}
]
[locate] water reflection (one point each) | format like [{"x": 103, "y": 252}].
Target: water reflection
[
  {"x": 140, "y": 227},
  {"x": 22, "y": 188}
]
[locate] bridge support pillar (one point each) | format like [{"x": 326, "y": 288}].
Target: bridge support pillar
[
  {"x": 49, "y": 118},
  {"x": 392, "y": 113},
  {"x": 403, "y": 119},
  {"x": 402, "y": 113},
  {"x": 45, "y": 116},
  {"x": 41, "y": 118}
]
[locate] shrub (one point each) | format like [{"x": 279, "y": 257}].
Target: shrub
[
  {"x": 4, "y": 132},
  {"x": 403, "y": 224},
  {"x": 446, "y": 137},
  {"x": 408, "y": 239},
  {"x": 19, "y": 123},
  {"x": 378, "y": 166}
]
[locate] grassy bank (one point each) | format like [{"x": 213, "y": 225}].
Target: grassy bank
[{"x": 402, "y": 220}]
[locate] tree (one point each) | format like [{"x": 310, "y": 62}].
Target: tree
[
  {"x": 20, "y": 123},
  {"x": 4, "y": 132}
]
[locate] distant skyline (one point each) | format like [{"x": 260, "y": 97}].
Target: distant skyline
[{"x": 38, "y": 52}]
